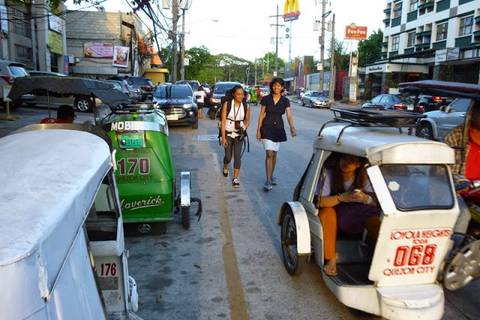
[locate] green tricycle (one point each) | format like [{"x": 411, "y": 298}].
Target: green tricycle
[{"x": 144, "y": 168}]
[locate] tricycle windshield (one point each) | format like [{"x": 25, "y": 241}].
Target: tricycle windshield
[
  {"x": 153, "y": 120},
  {"x": 418, "y": 186}
]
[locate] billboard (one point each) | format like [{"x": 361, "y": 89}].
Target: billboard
[
  {"x": 98, "y": 50},
  {"x": 354, "y": 32},
  {"x": 120, "y": 56},
  {"x": 291, "y": 10}
]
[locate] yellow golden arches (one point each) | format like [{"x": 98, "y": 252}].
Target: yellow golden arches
[
  {"x": 291, "y": 6},
  {"x": 291, "y": 10}
]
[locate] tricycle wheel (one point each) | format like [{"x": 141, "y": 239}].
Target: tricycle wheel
[
  {"x": 186, "y": 217},
  {"x": 464, "y": 267},
  {"x": 293, "y": 262}
]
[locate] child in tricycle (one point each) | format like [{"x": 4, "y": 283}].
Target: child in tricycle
[{"x": 345, "y": 200}]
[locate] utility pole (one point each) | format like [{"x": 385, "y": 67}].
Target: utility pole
[
  {"x": 322, "y": 46},
  {"x": 275, "y": 72},
  {"x": 174, "y": 42},
  {"x": 276, "y": 44},
  {"x": 182, "y": 48},
  {"x": 333, "y": 69},
  {"x": 290, "y": 42}
]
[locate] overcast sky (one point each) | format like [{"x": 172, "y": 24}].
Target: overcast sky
[{"x": 243, "y": 27}]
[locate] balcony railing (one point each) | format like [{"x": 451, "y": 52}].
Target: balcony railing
[
  {"x": 387, "y": 11},
  {"x": 464, "y": 1},
  {"x": 439, "y": 44},
  {"x": 463, "y": 41},
  {"x": 425, "y": 5},
  {"x": 443, "y": 5},
  {"x": 411, "y": 16},
  {"x": 396, "y": 21},
  {"x": 422, "y": 46},
  {"x": 424, "y": 33}
]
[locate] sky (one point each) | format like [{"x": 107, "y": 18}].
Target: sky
[{"x": 243, "y": 28}]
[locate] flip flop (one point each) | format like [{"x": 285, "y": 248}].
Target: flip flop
[{"x": 330, "y": 271}]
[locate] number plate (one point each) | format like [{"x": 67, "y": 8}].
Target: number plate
[
  {"x": 132, "y": 141},
  {"x": 172, "y": 117},
  {"x": 410, "y": 107}
]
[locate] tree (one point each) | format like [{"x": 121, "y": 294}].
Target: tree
[
  {"x": 370, "y": 50},
  {"x": 342, "y": 58}
]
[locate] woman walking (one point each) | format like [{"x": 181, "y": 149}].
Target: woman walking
[
  {"x": 235, "y": 119},
  {"x": 271, "y": 129}
]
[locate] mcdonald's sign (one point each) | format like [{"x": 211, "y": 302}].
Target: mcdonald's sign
[{"x": 291, "y": 10}]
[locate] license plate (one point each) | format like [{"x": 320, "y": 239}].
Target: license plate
[
  {"x": 172, "y": 117},
  {"x": 132, "y": 141},
  {"x": 410, "y": 107}
]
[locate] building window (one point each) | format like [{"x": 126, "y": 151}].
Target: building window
[
  {"x": 397, "y": 10},
  {"x": 395, "y": 43},
  {"x": 413, "y": 5},
  {"x": 466, "y": 25},
  {"x": 23, "y": 54},
  {"x": 20, "y": 22},
  {"x": 442, "y": 30},
  {"x": 410, "y": 39}
]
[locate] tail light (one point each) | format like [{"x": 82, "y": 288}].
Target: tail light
[
  {"x": 437, "y": 99},
  {"x": 8, "y": 79},
  {"x": 399, "y": 106}
]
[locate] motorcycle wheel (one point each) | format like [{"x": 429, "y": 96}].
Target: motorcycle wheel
[{"x": 464, "y": 267}]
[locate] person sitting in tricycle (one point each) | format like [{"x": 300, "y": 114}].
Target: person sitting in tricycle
[{"x": 345, "y": 201}]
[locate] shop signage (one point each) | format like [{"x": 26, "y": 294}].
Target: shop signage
[
  {"x": 291, "y": 10},
  {"x": 98, "y": 50},
  {"x": 55, "y": 23},
  {"x": 354, "y": 32},
  {"x": 377, "y": 68},
  {"x": 4, "y": 19},
  {"x": 55, "y": 42},
  {"x": 120, "y": 56},
  {"x": 447, "y": 55}
]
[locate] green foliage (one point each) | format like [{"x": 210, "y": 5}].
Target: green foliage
[
  {"x": 342, "y": 58},
  {"x": 370, "y": 50}
]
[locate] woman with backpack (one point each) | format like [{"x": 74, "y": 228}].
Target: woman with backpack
[
  {"x": 235, "y": 119},
  {"x": 270, "y": 128}
]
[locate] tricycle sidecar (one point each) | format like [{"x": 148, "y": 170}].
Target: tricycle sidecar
[
  {"x": 145, "y": 171},
  {"x": 396, "y": 277},
  {"x": 62, "y": 253}
]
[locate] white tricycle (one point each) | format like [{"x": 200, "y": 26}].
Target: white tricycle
[
  {"x": 62, "y": 250},
  {"x": 396, "y": 277}
]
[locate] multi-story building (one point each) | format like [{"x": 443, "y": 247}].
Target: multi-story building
[
  {"x": 33, "y": 35},
  {"x": 92, "y": 39},
  {"x": 428, "y": 39}
]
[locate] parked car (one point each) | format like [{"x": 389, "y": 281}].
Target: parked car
[
  {"x": 219, "y": 91},
  {"x": 177, "y": 101},
  {"x": 134, "y": 93},
  {"x": 391, "y": 102},
  {"x": 438, "y": 124},
  {"x": 145, "y": 86},
  {"x": 9, "y": 70},
  {"x": 315, "y": 99},
  {"x": 432, "y": 103},
  {"x": 80, "y": 103}
]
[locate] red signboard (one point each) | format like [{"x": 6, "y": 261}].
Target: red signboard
[{"x": 353, "y": 32}]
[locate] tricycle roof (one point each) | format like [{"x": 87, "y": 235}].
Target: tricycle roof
[
  {"x": 384, "y": 146},
  {"x": 442, "y": 88},
  {"x": 49, "y": 181}
]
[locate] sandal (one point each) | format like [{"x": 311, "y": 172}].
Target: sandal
[
  {"x": 330, "y": 270},
  {"x": 225, "y": 172}
]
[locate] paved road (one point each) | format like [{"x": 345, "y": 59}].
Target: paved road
[{"x": 228, "y": 266}]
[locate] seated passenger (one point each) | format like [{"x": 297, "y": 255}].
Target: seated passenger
[
  {"x": 65, "y": 114},
  {"x": 343, "y": 199}
]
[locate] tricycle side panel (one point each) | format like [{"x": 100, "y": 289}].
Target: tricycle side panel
[
  {"x": 411, "y": 247},
  {"x": 145, "y": 179}
]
